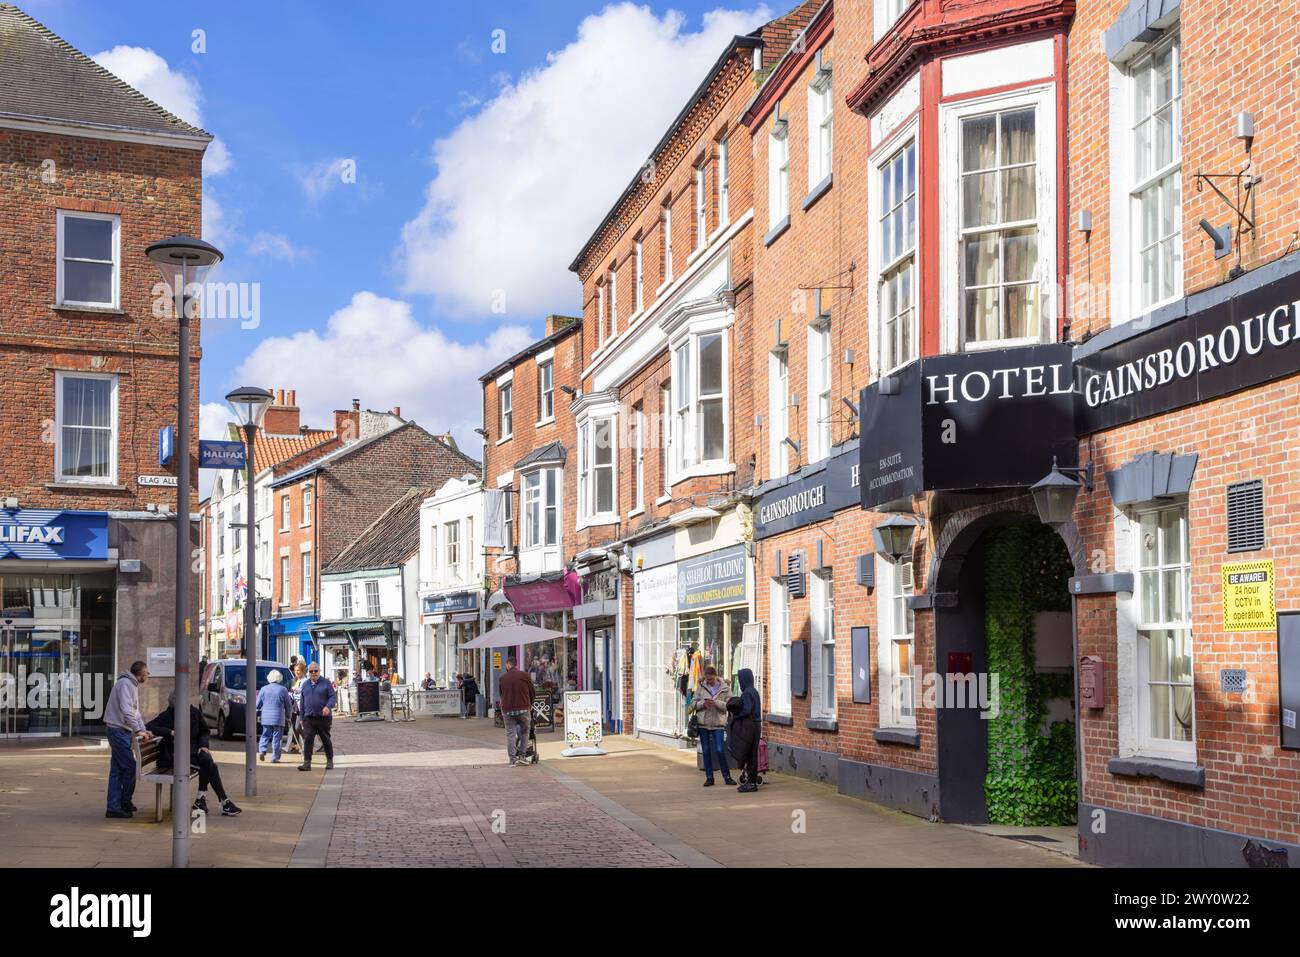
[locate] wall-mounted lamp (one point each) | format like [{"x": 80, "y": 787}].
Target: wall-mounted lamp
[
  {"x": 1222, "y": 238},
  {"x": 1085, "y": 221},
  {"x": 1055, "y": 495},
  {"x": 792, "y": 443},
  {"x": 483, "y": 433},
  {"x": 568, "y": 390},
  {"x": 1244, "y": 128},
  {"x": 893, "y": 537},
  {"x": 853, "y": 406}
]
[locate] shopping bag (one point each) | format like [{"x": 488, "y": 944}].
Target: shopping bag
[{"x": 762, "y": 756}]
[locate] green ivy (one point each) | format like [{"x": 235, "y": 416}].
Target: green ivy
[{"x": 1031, "y": 776}]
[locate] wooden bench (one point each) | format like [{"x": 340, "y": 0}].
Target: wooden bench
[{"x": 146, "y": 770}]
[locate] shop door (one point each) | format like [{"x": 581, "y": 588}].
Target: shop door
[{"x": 34, "y": 669}]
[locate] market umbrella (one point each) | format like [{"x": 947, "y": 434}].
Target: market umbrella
[{"x": 508, "y": 636}]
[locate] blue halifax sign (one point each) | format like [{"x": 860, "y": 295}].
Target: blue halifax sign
[
  {"x": 166, "y": 445},
  {"x": 222, "y": 455},
  {"x": 40, "y": 534}
]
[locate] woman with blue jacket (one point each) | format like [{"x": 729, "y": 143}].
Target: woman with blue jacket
[{"x": 273, "y": 705}]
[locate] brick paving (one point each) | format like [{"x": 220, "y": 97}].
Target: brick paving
[{"x": 412, "y": 797}]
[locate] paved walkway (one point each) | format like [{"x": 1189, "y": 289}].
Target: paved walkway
[{"x": 437, "y": 792}]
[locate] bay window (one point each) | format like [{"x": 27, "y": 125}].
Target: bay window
[
  {"x": 1165, "y": 711},
  {"x": 86, "y": 413},
  {"x": 1156, "y": 194},
  {"x": 89, "y": 251},
  {"x": 897, "y": 273},
  {"x": 596, "y": 499},
  {"x": 699, "y": 401},
  {"x": 540, "y": 510}
]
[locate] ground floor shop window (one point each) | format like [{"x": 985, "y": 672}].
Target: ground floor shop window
[
  {"x": 654, "y": 657},
  {"x": 1166, "y": 713},
  {"x": 896, "y": 629},
  {"x": 717, "y": 636}
]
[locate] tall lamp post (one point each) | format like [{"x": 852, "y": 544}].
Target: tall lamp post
[
  {"x": 183, "y": 262},
  {"x": 250, "y": 404}
]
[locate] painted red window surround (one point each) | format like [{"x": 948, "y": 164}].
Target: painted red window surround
[
  {"x": 929, "y": 31},
  {"x": 791, "y": 67}
]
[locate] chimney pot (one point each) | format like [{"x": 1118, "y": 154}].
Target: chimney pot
[
  {"x": 293, "y": 397},
  {"x": 356, "y": 405},
  {"x": 397, "y": 411}
]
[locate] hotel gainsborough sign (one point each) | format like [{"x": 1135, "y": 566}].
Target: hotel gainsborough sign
[
  {"x": 1238, "y": 342},
  {"x": 973, "y": 420},
  {"x": 812, "y": 498}
]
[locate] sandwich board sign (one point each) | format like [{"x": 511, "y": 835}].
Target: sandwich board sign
[{"x": 583, "y": 724}]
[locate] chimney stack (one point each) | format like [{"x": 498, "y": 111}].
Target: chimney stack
[
  {"x": 283, "y": 417},
  {"x": 396, "y": 411},
  {"x": 555, "y": 323}
]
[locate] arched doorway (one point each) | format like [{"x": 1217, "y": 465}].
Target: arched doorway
[{"x": 1000, "y": 580}]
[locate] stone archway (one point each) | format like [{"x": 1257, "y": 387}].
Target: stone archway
[{"x": 955, "y": 580}]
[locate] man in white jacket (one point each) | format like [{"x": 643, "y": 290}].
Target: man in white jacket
[{"x": 122, "y": 716}]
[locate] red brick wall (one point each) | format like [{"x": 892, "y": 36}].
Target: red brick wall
[{"x": 157, "y": 192}]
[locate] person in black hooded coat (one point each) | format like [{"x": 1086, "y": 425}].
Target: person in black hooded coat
[{"x": 745, "y": 727}]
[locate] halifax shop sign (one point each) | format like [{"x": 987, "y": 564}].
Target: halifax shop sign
[{"x": 997, "y": 419}]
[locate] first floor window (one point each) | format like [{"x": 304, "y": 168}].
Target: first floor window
[
  {"x": 284, "y": 579},
  {"x": 345, "y": 600},
  {"x": 897, "y": 627},
  {"x": 665, "y": 435},
  {"x": 451, "y": 536},
  {"x": 307, "y": 589},
  {"x": 505, "y": 400},
  {"x": 819, "y": 388},
  {"x": 221, "y": 590},
  {"x": 699, "y": 401},
  {"x": 88, "y": 253},
  {"x": 667, "y": 241},
  {"x": 778, "y": 410},
  {"x": 638, "y": 455},
  {"x": 778, "y": 174},
  {"x": 779, "y": 646},
  {"x": 821, "y": 608},
  {"x": 596, "y": 467},
  {"x": 541, "y": 508},
  {"x": 1166, "y": 713},
  {"x": 1156, "y": 137},
  {"x": 86, "y": 408},
  {"x": 546, "y": 391},
  {"x": 897, "y": 231},
  {"x": 999, "y": 225},
  {"x": 372, "y": 599}
]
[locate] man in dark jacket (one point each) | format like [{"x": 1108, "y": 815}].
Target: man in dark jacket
[
  {"x": 164, "y": 727},
  {"x": 318, "y": 700},
  {"x": 468, "y": 694},
  {"x": 517, "y": 691}
]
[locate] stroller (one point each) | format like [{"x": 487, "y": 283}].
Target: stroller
[{"x": 530, "y": 753}]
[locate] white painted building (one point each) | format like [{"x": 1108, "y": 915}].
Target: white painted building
[{"x": 451, "y": 580}]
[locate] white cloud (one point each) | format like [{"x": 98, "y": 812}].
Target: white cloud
[
  {"x": 216, "y": 229},
  {"x": 521, "y": 184},
  {"x": 172, "y": 90},
  {"x": 213, "y": 417},
  {"x": 319, "y": 179},
  {"x": 374, "y": 350},
  {"x": 277, "y": 246}
]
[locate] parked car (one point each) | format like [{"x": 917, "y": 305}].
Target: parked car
[{"x": 224, "y": 691}]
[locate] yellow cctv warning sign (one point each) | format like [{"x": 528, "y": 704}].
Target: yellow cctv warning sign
[{"x": 1248, "y": 597}]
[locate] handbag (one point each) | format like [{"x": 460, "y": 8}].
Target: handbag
[
  {"x": 693, "y": 726},
  {"x": 762, "y": 755}
]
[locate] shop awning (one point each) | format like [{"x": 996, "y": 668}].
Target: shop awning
[
  {"x": 508, "y": 636},
  {"x": 545, "y": 594}
]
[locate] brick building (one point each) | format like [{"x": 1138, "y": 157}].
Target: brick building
[
  {"x": 91, "y": 173},
  {"x": 321, "y": 507}
]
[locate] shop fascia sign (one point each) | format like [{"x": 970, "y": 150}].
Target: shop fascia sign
[
  {"x": 712, "y": 580},
  {"x": 972, "y": 420},
  {"x": 1241, "y": 341},
  {"x": 443, "y": 604},
  {"x": 813, "y": 498},
  {"x": 52, "y": 534}
]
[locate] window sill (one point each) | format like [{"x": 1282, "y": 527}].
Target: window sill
[
  {"x": 86, "y": 486},
  {"x": 785, "y": 720},
  {"x": 696, "y": 253},
  {"x": 905, "y": 736},
  {"x": 817, "y": 192},
  {"x": 775, "y": 232},
  {"x": 503, "y": 441},
  {"x": 1166, "y": 769},
  {"x": 305, "y": 525},
  {"x": 549, "y": 421},
  {"x": 98, "y": 310},
  {"x": 608, "y": 518},
  {"x": 704, "y": 471},
  {"x": 636, "y": 511},
  {"x": 663, "y": 499},
  {"x": 666, "y": 283},
  {"x": 823, "y": 724}
]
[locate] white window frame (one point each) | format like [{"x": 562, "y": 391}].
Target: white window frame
[
  {"x": 286, "y": 510},
  {"x": 821, "y": 610},
  {"x": 588, "y": 514},
  {"x": 638, "y": 459},
  {"x": 451, "y": 545},
  {"x": 778, "y": 174},
  {"x": 345, "y": 600},
  {"x": 286, "y": 579},
  {"x": 701, "y": 205},
  {"x": 778, "y": 412},
  {"x": 779, "y": 644},
  {"x": 666, "y": 225},
  {"x": 537, "y": 527},
  {"x": 887, "y": 13},
  {"x": 821, "y": 118},
  {"x": 306, "y": 568},
  {"x": 882, "y": 272},
  {"x": 505, "y": 410},
  {"x": 374, "y": 604},
  {"x": 307, "y": 498},
  {"x": 114, "y": 433},
  {"x": 687, "y": 403},
  {"x": 1167, "y": 177},
  {"x": 1042, "y": 98},
  {"x": 1148, "y": 745},
  {"x": 821, "y": 383},
  {"x": 724, "y": 183},
  {"x": 435, "y": 557},
  {"x": 640, "y": 275},
  {"x": 665, "y": 439},
  {"x": 613, "y": 302},
  {"x": 65, "y": 214},
  {"x": 896, "y": 624},
  {"x": 546, "y": 391}
]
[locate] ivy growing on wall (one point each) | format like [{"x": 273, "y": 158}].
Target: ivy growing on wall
[{"x": 1031, "y": 776}]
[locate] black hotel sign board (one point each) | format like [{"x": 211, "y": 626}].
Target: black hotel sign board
[{"x": 973, "y": 420}]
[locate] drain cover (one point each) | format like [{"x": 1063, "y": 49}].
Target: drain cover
[{"x": 1031, "y": 837}]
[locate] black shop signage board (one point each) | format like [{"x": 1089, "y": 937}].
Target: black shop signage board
[
  {"x": 972, "y": 420},
  {"x": 1242, "y": 341},
  {"x": 813, "y": 498},
  {"x": 367, "y": 693}
]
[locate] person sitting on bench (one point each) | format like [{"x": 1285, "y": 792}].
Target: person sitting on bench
[{"x": 164, "y": 726}]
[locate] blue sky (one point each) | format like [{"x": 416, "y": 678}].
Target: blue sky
[{"x": 479, "y": 172}]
